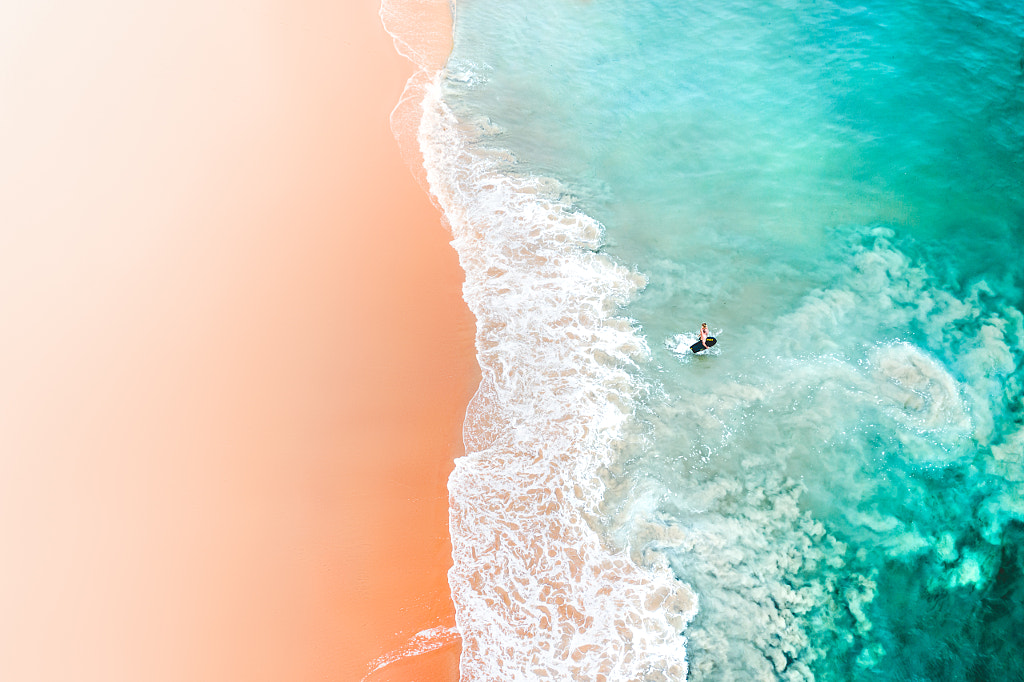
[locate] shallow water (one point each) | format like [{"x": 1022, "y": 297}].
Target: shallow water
[{"x": 838, "y": 190}]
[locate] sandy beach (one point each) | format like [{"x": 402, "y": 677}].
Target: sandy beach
[{"x": 235, "y": 356}]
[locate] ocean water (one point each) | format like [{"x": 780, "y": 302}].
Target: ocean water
[{"x": 836, "y": 490}]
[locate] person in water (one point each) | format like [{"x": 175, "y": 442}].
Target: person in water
[{"x": 704, "y": 334}]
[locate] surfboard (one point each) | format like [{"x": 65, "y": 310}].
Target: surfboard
[{"x": 696, "y": 348}]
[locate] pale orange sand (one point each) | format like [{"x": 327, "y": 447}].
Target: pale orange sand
[{"x": 234, "y": 359}]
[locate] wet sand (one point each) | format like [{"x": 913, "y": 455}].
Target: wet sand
[{"x": 235, "y": 356}]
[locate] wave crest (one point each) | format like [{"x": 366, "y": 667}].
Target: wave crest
[{"x": 537, "y": 593}]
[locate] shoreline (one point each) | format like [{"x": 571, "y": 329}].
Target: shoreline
[{"x": 239, "y": 358}]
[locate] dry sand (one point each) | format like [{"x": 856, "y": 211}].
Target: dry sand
[{"x": 234, "y": 360}]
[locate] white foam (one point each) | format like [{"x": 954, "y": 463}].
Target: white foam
[
  {"x": 422, "y": 33},
  {"x": 422, "y": 642},
  {"x": 538, "y": 595}
]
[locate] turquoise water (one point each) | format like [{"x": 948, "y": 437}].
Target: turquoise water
[{"x": 837, "y": 189}]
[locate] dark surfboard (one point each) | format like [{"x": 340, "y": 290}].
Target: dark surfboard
[{"x": 696, "y": 348}]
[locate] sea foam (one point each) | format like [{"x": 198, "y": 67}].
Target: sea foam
[{"x": 538, "y": 594}]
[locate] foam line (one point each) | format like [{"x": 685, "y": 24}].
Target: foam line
[
  {"x": 422, "y": 642},
  {"x": 537, "y": 593}
]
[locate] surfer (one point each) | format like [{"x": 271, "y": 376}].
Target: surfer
[{"x": 705, "y": 341}]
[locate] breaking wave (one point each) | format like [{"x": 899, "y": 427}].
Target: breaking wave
[{"x": 538, "y": 594}]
